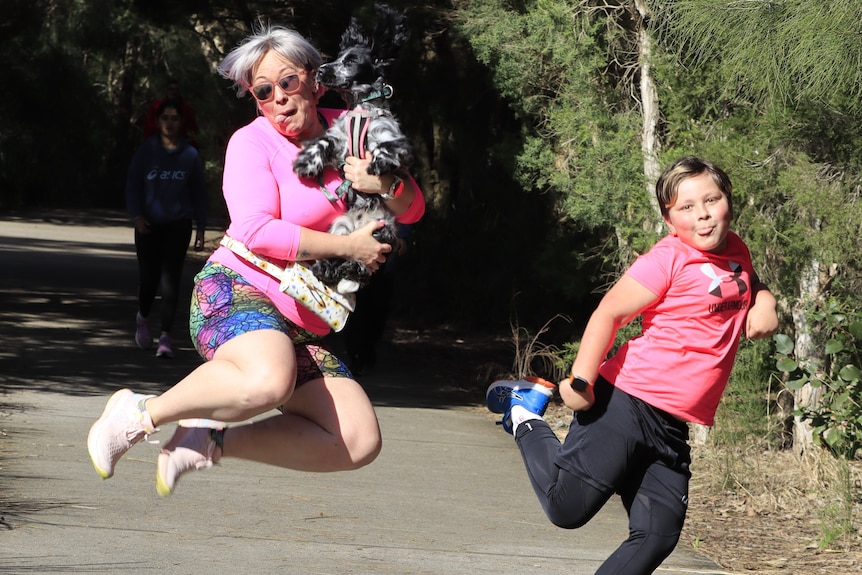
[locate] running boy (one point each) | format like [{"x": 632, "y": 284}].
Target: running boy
[{"x": 697, "y": 292}]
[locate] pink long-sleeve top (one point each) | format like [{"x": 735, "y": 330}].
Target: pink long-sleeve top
[{"x": 269, "y": 204}]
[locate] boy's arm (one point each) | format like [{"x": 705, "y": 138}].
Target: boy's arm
[
  {"x": 624, "y": 302},
  {"x": 762, "y": 318}
]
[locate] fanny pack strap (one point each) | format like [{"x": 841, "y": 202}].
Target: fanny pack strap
[
  {"x": 300, "y": 283},
  {"x": 239, "y": 249}
]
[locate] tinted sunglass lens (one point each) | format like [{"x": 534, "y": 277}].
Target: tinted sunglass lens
[
  {"x": 262, "y": 92},
  {"x": 289, "y": 83}
]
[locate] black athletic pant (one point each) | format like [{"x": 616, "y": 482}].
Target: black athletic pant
[
  {"x": 621, "y": 445},
  {"x": 161, "y": 255},
  {"x": 365, "y": 328}
]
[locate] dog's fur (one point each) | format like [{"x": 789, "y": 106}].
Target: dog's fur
[{"x": 359, "y": 75}]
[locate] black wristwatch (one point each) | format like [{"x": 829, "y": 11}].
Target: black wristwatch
[{"x": 578, "y": 383}]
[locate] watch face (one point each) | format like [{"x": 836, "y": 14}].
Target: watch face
[{"x": 579, "y": 383}]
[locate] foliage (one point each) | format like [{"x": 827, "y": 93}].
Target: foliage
[
  {"x": 837, "y": 419},
  {"x": 779, "y": 52},
  {"x": 555, "y": 63},
  {"x": 100, "y": 64},
  {"x": 568, "y": 70},
  {"x": 747, "y": 413},
  {"x": 781, "y": 119}
]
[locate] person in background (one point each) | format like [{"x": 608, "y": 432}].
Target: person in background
[
  {"x": 697, "y": 292},
  {"x": 266, "y": 360},
  {"x": 190, "y": 120},
  {"x": 365, "y": 328},
  {"x": 165, "y": 193}
]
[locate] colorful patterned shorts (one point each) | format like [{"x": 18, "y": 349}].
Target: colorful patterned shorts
[{"x": 224, "y": 305}]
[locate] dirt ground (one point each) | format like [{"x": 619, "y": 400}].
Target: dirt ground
[{"x": 751, "y": 512}]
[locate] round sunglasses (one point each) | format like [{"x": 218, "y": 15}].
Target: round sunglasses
[{"x": 265, "y": 91}]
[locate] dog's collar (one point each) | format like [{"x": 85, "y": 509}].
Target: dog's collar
[{"x": 385, "y": 93}]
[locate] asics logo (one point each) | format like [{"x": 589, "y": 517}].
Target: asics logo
[{"x": 156, "y": 174}]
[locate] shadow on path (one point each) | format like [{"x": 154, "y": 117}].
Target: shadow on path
[{"x": 67, "y": 306}]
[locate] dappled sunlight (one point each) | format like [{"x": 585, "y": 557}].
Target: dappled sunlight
[
  {"x": 67, "y": 319},
  {"x": 68, "y": 297}
]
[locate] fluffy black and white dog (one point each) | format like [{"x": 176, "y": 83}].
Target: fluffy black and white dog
[{"x": 369, "y": 130}]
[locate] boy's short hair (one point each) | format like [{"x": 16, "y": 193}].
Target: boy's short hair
[
  {"x": 169, "y": 103},
  {"x": 667, "y": 186}
]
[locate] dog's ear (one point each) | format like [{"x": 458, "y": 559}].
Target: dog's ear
[
  {"x": 382, "y": 66},
  {"x": 355, "y": 35}
]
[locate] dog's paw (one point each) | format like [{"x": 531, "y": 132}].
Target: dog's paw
[
  {"x": 312, "y": 159},
  {"x": 389, "y": 157},
  {"x": 347, "y": 286},
  {"x": 326, "y": 271},
  {"x": 383, "y": 164},
  {"x": 307, "y": 167}
]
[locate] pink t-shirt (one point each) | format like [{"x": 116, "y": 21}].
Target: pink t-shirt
[
  {"x": 682, "y": 360},
  {"x": 269, "y": 204}
]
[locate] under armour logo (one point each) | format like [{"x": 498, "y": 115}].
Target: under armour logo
[{"x": 717, "y": 280}]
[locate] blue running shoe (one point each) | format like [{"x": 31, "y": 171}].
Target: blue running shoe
[
  {"x": 533, "y": 393},
  {"x": 506, "y": 422}
]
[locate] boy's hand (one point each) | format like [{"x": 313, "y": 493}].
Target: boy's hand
[{"x": 762, "y": 319}]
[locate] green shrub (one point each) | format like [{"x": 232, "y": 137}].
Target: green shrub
[{"x": 837, "y": 418}]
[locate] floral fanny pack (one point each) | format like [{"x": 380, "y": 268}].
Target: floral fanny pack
[{"x": 301, "y": 284}]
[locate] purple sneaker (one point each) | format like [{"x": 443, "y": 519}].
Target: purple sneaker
[
  {"x": 165, "y": 349},
  {"x": 142, "y": 332}
]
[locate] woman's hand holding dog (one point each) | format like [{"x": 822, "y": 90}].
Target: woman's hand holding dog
[
  {"x": 356, "y": 171},
  {"x": 366, "y": 249}
]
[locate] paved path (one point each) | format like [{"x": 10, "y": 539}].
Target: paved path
[{"x": 448, "y": 495}]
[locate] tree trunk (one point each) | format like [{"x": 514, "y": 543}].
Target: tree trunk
[
  {"x": 121, "y": 88},
  {"x": 812, "y": 282},
  {"x": 806, "y": 396},
  {"x": 650, "y": 145}
]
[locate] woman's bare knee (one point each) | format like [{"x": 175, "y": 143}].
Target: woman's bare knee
[
  {"x": 363, "y": 446},
  {"x": 265, "y": 364}
]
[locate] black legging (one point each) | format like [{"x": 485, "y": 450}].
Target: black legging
[
  {"x": 161, "y": 255},
  {"x": 652, "y": 479}
]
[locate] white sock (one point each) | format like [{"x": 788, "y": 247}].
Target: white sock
[{"x": 519, "y": 415}]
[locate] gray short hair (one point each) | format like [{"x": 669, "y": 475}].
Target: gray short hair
[{"x": 239, "y": 64}]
